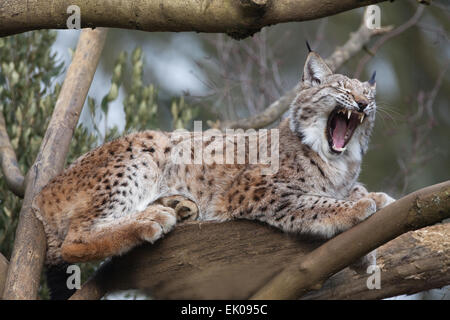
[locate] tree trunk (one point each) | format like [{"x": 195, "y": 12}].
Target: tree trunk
[{"x": 23, "y": 277}]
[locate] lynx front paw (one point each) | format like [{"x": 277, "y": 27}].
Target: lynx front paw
[
  {"x": 381, "y": 199},
  {"x": 364, "y": 208},
  {"x": 165, "y": 217},
  {"x": 156, "y": 221}
]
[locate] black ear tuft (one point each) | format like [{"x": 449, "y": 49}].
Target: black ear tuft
[
  {"x": 308, "y": 46},
  {"x": 372, "y": 78}
]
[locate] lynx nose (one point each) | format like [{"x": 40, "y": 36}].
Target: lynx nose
[
  {"x": 360, "y": 100},
  {"x": 362, "y": 105}
]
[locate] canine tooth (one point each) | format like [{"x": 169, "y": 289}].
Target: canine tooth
[
  {"x": 349, "y": 114},
  {"x": 339, "y": 149},
  {"x": 362, "y": 118}
]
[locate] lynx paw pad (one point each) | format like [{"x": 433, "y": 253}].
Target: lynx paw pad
[{"x": 185, "y": 209}]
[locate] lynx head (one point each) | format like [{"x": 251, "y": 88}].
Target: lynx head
[{"x": 332, "y": 113}]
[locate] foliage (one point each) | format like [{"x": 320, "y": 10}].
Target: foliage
[
  {"x": 28, "y": 93},
  {"x": 182, "y": 113},
  {"x": 27, "y": 97}
]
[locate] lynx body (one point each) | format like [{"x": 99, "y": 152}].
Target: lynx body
[{"x": 109, "y": 200}]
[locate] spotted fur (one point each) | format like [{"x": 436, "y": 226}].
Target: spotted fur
[{"x": 108, "y": 201}]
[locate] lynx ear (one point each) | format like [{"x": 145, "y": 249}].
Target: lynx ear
[
  {"x": 315, "y": 70},
  {"x": 372, "y": 81}
]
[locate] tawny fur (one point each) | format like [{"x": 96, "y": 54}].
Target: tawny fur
[{"x": 111, "y": 199}]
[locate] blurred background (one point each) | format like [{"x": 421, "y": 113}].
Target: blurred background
[{"x": 167, "y": 80}]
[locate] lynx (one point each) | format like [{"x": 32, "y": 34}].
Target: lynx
[{"x": 112, "y": 198}]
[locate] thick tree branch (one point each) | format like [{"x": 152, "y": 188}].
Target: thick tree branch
[
  {"x": 236, "y": 18},
  {"x": 354, "y": 44},
  {"x": 200, "y": 260},
  {"x": 8, "y": 162},
  {"x": 418, "y": 209},
  {"x": 23, "y": 275},
  {"x": 414, "y": 262},
  {"x": 245, "y": 255}
]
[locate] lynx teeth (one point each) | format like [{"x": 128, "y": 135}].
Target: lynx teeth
[
  {"x": 361, "y": 116},
  {"x": 339, "y": 149}
]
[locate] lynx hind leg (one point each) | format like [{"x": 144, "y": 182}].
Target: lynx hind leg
[
  {"x": 185, "y": 209},
  {"x": 118, "y": 235}
]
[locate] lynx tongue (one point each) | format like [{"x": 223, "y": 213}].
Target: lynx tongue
[{"x": 339, "y": 132}]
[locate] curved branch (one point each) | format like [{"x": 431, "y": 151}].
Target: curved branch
[
  {"x": 245, "y": 255},
  {"x": 354, "y": 44},
  {"x": 416, "y": 210},
  {"x": 265, "y": 118},
  {"x": 22, "y": 281},
  {"x": 414, "y": 262},
  {"x": 393, "y": 33},
  {"x": 8, "y": 162},
  {"x": 236, "y": 18}
]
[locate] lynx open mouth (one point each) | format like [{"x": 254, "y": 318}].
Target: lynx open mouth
[{"x": 341, "y": 125}]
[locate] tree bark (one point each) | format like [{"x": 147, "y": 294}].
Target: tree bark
[
  {"x": 232, "y": 260},
  {"x": 8, "y": 162},
  {"x": 200, "y": 260},
  {"x": 414, "y": 262},
  {"x": 416, "y": 210},
  {"x": 238, "y": 18},
  {"x": 22, "y": 281}
]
